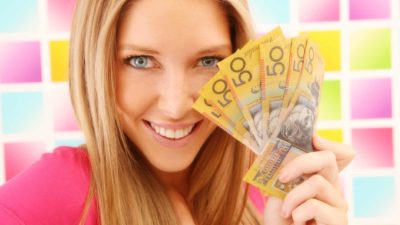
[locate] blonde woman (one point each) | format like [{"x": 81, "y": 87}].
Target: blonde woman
[{"x": 136, "y": 68}]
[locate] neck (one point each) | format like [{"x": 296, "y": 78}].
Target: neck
[{"x": 174, "y": 181}]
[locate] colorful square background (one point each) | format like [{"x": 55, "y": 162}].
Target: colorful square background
[
  {"x": 370, "y": 49},
  {"x": 379, "y": 94},
  {"x": 60, "y": 15},
  {"x": 373, "y": 196},
  {"x": 319, "y": 10},
  {"x": 22, "y": 112},
  {"x": 374, "y": 147},
  {"x": 360, "y": 103},
  {"x": 369, "y": 9},
  {"x": 14, "y": 18},
  {"x": 20, "y": 62}
]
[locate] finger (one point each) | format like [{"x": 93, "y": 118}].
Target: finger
[
  {"x": 315, "y": 187},
  {"x": 271, "y": 212},
  {"x": 344, "y": 153},
  {"x": 321, "y": 162},
  {"x": 321, "y": 212}
]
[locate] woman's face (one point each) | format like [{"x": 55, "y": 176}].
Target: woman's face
[{"x": 167, "y": 50}]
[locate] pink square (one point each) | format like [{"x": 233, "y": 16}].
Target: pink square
[
  {"x": 319, "y": 10},
  {"x": 374, "y": 148},
  {"x": 60, "y": 14},
  {"x": 369, "y": 9},
  {"x": 63, "y": 114},
  {"x": 20, "y": 62},
  {"x": 19, "y": 156},
  {"x": 371, "y": 98}
]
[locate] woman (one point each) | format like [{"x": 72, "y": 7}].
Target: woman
[{"x": 136, "y": 68}]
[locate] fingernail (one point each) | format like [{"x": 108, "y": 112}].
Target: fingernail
[
  {"x": 283, "y": 176},
  {"x": 320, "y": 139},
  {"x": 284, "y": 212}
]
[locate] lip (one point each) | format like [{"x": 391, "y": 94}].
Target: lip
[{"x": 173, "y": 143}]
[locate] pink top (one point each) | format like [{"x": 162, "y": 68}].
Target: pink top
[{"x": 52, "y": 191}]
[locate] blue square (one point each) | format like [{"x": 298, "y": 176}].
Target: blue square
[
  {"x": 22, "y": 112},
  {"x": 269, "y": 12},
  {"x": 18, "y": 15},
  {"x": 69, "y": 142},
  {"x": 373, "y": 196}
]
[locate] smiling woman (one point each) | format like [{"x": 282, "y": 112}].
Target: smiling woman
[{"x": 154, "y": 159}]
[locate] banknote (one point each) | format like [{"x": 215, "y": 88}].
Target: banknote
[
  {"x": 242, "y": 73},
  {"x": 297, "y": 124},
  {"x": 275, "y": 61},
  {"x": 283, "y": 156},
  {"x": 217, "y": 92},
  {"x": 219, "y": 118},
  {"x": 264, "y": 172},
  {"x": 297, "y": 53}
]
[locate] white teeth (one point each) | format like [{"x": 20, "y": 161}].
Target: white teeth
[
  {"x": 172, "y": 133},
  {"x": 162, "y": 131},
  {"x": 180, "y": 133}
]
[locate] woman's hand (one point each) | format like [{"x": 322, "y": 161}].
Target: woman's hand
[
  {"x": 344, "y": 154},
  {"x": 317, "y": 200}
]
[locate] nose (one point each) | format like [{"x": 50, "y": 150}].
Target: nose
[{"x": 175, "y": 97}]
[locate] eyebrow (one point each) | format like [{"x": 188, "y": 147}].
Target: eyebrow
[
  {"x": 137, "y": 48},
  {"x": 213, "y": 48}
]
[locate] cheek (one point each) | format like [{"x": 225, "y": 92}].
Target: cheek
[
  {"x": 199, "y": 79},
  {"x": 134, "y": 96}
]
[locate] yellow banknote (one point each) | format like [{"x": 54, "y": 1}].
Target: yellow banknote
[
  {"x": 242, "y": 73},
  {"x": 275, "y": 59},
  {"x": 217, "y": 92},
  {"x": 298, "y": 124}
]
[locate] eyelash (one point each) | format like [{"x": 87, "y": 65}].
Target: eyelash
[
  {"x": 217, "y": 57},
  {"x": 128, "y": 59}
]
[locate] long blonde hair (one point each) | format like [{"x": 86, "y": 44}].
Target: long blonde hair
[{"x": 125, "y": 190}]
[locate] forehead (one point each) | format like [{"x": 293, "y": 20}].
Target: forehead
[{"x": 174, "y": 24}]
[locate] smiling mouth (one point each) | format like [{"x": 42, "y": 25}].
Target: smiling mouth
[{"x": 173, "y": 133}]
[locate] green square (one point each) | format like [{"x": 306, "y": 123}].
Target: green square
[
  {"x": 370, "y": 49},
  {"x": 331, "y": 105}
]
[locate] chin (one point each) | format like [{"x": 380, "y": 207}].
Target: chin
[{"x": 171, "y": 163}]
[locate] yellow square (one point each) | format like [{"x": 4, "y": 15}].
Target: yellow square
[
  {"x": 330, "y": 47},
  {"x": 331, "y": 134},
  {"x": 59, "y": 60}
]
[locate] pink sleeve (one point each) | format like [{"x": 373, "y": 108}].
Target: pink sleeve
[
  {"x": 51, "y": 191},
  {"x": 7, "y": 217}
]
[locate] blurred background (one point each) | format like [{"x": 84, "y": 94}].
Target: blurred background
[{"x": 360, "y": 42}]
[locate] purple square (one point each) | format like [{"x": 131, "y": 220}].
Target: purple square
[
  {"x": 371, "y": 98},
  {"x": 374, "y": 148},
  {"x": 20, "y": 62},
  {"x": 369, "y": 9}
]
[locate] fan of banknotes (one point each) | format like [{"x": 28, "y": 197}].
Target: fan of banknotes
[{"x": 266, "y": 95}]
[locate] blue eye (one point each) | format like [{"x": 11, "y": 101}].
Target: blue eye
[
  {"x": 209, "y": 61},
  {"x": 140, "y": 62}
]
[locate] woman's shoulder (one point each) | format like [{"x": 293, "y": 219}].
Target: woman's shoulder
[{"x": 51, "y": 191}]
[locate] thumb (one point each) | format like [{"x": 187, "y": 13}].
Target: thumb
[{"x": 272, "y": 212}]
